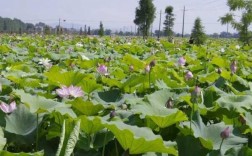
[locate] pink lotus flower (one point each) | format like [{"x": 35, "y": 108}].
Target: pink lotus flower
[
  {"x": 102, "y": 69},
  {"x": 63, "y": 92},
  {"x": 233, "y": 67},
  {"x": 147, "y": 69},
  {"x": 8, "y": 108},
  {"x": 188, "y": 75},
  {"x": 75, "y": 91},
  {"x": 225, "y": 133},
  {"x": 181, "y": 61},
  {"x": 70, "y": 91}
]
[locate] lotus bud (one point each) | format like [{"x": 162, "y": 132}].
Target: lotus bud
[
  {"x": 124, "y": 106},
  {"x": 196, "y": 91},
  {"x": 233, "y": 67},
  {"x": 112, "y": 114},
  {"x": 225, "y": 133},
  {"x": 242, "y": 120},
  {"x": 169, "y": 103},
  {"x": 152, "y": 63},
  {"x": 181, "y": 61},
  {"x": 147, "y": 69},
  {"x": 131, "y": 68},
  {"x": 102, "y": 69},
  {"x": 188, "y": 75},
  {"x": 107, "y": 59},
  {"x": 219, "y": 70}
]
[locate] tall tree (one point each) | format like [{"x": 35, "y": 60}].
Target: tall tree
[
  {"x": 47, "y": 30},
  {"x": 145, "y": 15},
  {"x": 101, "y": 30},
  {"x": 85, "y": 30},
  {"x": 198, "y": 35},
  {"x": 169, "y": 22},
  {"x": 4, "y": 26},
  {"x": 81, "y": 31},
  {"x": 242, "y": 26},
  {"x": 89, "y": 31}
]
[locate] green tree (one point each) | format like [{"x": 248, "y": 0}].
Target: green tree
[
  {"x": 198, "y": 35},
  {"x": 81, "y": 31},
  {"x": 101, "y": 30},
  {"x": 89, "y": 31},
  {"x": 85, "y": 30},
  {"x": 4, "y": 26},
  {"x": 145, "y": 15},
  {"x": 242, "y": 26},
  {"x": 169, "y": 22},
  {"x": 47, "y": 30}
]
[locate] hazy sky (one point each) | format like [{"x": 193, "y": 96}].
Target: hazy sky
[{"x": 115, "y": 14}]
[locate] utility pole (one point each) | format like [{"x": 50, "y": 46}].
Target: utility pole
[
  {"x": 59, "y": 27},
  {"x": 159, "y": 24},
  {"x": 135, "y": 30},
  {"x": 131, "y": 33},
  {"x": 227, "y": 29},
  {"x": 183, "y": 25},
  {"x": 151, "y": 29}
]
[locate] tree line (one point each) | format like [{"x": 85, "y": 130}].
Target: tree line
[
  {"x": 145, "y": 15},
  {"x": 15, "y": 25}
]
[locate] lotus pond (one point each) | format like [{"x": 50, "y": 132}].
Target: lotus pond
[{"x": 74, "y": 96}]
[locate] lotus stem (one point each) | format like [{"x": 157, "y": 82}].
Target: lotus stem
[
  {"x": 150, "y": 79},
  {"x": 221, "y": 143},
  {"x": 116, "y": 148},
  {"x": 191, "y": 116},
  {"x": 37, "y": 135},
  {"x": 103, "y": 149}
]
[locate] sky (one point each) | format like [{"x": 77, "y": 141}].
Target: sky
[{"x": 114, "y": 14}]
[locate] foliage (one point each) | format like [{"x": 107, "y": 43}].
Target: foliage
[
  {"x": 242, "y": 26},
  {"x": 198, "y": 35},
  {"x": 101, "y": 30},
  {"x": 169, "y": 22},
  {"x": 145, "y": 15},
  {"x": 129, "y": 110}
]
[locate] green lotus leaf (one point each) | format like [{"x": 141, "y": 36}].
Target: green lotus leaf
[
  {"x": 209, "y": 135},
  {"x": 139, "y": 140},
  {"x": 59, "y": 78},
  {"x": 41, "y": 104},
  {"x": 89, "y": 85},
  {"x": 235, "y": 103},
  {"x": 156, "y": 110},
  {"x": 131, "y": 60},
  {"x": 107, "y": 97},
  {"x": 220, "y": 62},
  {"x": 89, "y": 64},
  {"x": 86, "y": 107},
  {"x": 21, "y": 121},
  {"x": 91, "y": 125},
  {"x": 5, "y": 49},
  {"x": 111, "y": 82},
  {"x": 133, "y": 81},
  {"x": 190, "y": 146}
]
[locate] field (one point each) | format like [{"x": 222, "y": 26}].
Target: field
[{"x": 73, "y": 95}]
